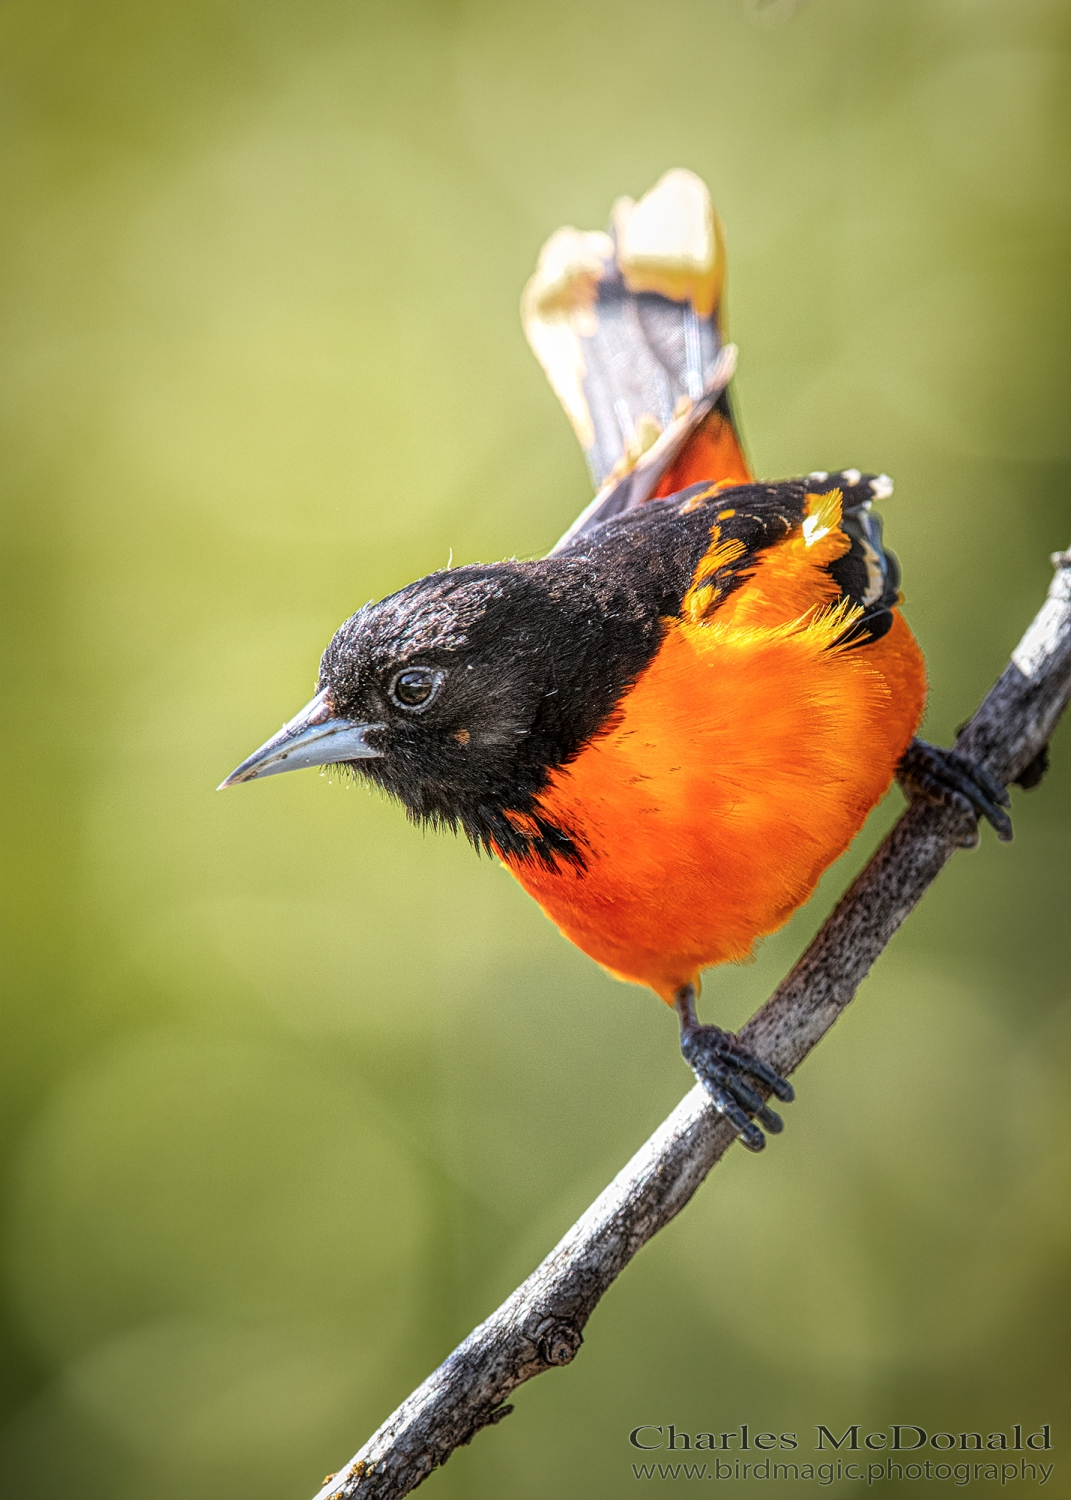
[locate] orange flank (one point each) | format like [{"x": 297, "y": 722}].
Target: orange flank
[{"x": 738, "y": 767}]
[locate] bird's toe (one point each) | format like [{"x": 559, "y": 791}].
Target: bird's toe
[
  {"x": 723, "y": 1068},
  {"x": 947, "y": 779}
]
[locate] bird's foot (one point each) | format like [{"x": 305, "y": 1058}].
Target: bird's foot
[
  {"x": 946, "y": 779},
  {"x": 719, "y": 1062}
]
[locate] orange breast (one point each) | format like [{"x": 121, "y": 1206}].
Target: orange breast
[{"x": 742, "y": 763}]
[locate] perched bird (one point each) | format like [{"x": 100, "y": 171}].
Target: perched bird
[{"x": 671, "y": 725}]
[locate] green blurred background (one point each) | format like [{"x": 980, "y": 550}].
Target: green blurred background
[{"x": 292, "y": 1093}]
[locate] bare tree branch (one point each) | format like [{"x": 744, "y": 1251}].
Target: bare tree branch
[{"x": 540, "y": 1325}]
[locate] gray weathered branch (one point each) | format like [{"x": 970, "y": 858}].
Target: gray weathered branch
[{"x": 540, "y": 1325}]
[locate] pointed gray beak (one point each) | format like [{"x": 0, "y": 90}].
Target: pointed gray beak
[{"x": 314, "y": 737}]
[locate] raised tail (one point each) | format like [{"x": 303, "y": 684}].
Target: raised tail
[{"x": 627, "y": 326}]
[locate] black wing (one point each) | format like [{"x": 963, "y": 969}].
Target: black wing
[{"x": 666, "y": 540}]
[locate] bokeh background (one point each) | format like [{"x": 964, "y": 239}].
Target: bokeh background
[{"x": 292, "y": 1093}]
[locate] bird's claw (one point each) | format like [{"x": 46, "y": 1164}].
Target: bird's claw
[
  {"x": 946, "y": 779},
  {"x": 719, "y": 1063}
]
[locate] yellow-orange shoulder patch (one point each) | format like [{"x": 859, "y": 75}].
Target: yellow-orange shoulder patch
[{"x": 703, "y": 595}]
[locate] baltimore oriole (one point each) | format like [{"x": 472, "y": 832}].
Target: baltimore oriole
[{"x": 672, "y": 724}]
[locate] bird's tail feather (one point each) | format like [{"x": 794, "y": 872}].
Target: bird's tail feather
[{"x": 627, "y": 326}]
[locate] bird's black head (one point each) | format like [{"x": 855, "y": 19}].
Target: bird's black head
[
  {"x": 461, "y": 693},
  {"x": 481, "y": 680}
]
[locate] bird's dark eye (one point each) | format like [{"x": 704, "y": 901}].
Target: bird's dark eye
[{"x": 416, "y": 687}]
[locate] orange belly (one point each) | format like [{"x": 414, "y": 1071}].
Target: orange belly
[{"x": 740, "y": 765}]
